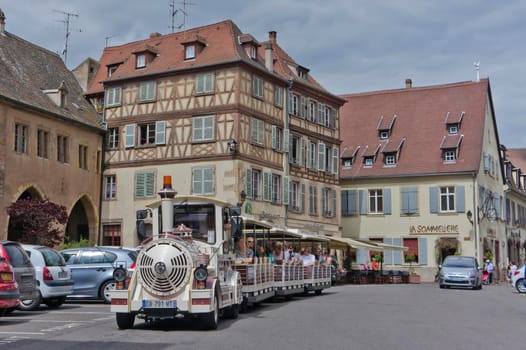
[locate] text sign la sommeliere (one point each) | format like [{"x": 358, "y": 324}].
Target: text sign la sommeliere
[{"x": 433, "y": 229}]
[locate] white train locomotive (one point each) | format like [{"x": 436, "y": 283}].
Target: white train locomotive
[{"x": 190, "y": 266}]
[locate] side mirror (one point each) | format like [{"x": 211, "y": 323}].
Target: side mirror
[{"x": 236, "y": 227}]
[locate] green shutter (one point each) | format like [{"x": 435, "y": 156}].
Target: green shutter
[
  {"x": 363, "y": 202},
  {"x": 422, "y": 250},
  {"x": 129, "y": 138},
  {"x": 249, "y": 185},
  {"x": 286, "y": 184},
  {"x": 387, "y": 201},
  {"x": 267, "y": 190},
  {"x": 460, "y": 198},
  {"x": 160, "y": 132},
  {"x": 433, "y": 199}
]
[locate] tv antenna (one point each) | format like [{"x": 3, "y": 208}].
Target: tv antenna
[
  {"x": 67, "y": 17},
  {"x": 108, "y": 38},
  {"x": 174, "y": 11}
]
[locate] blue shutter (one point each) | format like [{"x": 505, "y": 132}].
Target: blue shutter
[
  {"x": 129, "y": 138},
  {"x": 461, "y": 201},
  {"x": 352, "y": 203},
  {"x": 409, "y": 200},
  {"x": 388, "y": 254},
  {"x": 397, "y": 255},
  {"x": 249, "y": 185},
  {"x": 422, "y": 250},
  {"x": 345, "y": 207},
  {"x": 387, "y": 201},
  {"x": 433, "y": 199},
  {"x": 361, "y": 256},
  {"x": 363, "y": 202},
  {"x": 497, "y": 205}
]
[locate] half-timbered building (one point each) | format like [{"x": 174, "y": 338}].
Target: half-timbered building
[{"x": 226, "y": 116}]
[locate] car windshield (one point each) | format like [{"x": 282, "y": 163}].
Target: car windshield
[
  {"x": 459, "y": 262},
  {"x": 52, "y": 258}
]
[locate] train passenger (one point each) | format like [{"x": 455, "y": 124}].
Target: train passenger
[
  {"x": 318, "y": 257},
  {"x": 251, "y": 241},
  {"x": 264, "y": 251},
  {"x": 277, "y": 253},
  {"x": 243, "y": 255},
  {"x": 307, "y": 257}
]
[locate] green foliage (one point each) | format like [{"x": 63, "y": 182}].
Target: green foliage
[
  {"x": 378, "y": 258},
  {"x": 77, "y": 244},
  {"x": 36, "y": 221},
  {"x": 410, "y": 258}
]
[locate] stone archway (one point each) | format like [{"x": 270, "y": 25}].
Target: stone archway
[
  {"x": 14, "y": 233},
  {"x": 83, "y": 221}
]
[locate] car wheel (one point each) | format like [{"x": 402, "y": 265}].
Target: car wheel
[
  {"x": 211, "y": 320},
  {"x": 105, "y": 290},
  {"x": 30, "y": 304},
  {"x": 520, "y": 285},
  {"x": 53, "y": 303},
  {"x": 441, "y": 286},
  {"x": 232, "y": 312}
]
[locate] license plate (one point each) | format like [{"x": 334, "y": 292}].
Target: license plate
[
  {"x": 159, "y": 304},
  {"x": 62, "y": 274}
]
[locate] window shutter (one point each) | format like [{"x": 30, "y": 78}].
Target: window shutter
[
  {"x": 486, "y": 162},
  {"x": 267, "y": 179},
  {"x": 309, "y": 155},
  {"x": 345, "y": 202},
  {"x": 150, "y": 185},
  {"x": 301, "y": 156},
  {"x": 160, "y": 132},
  {"x": 334, "y": 203},
  {"x": 497, "y": 205},
  {"x": 303, "y": 112},
  {"x": 460, "y": 197},
  {"x": 352, "y": 208},
  {"x": 422, "y": 250},
  {"x": 249, "y": 185},
  {"x": 387, "y": 201},
  {"x": 291, "y": 149},
  {"x": 321, "y": 107},
  {"x": 208, "y": 181},
  {"x": 129, "y": 139},
  {"x": 433, "y": 199},
  {"x": 274, "y": 137},
  {"x": 332, "y": 121},
  {"x": 321, "y": 156},
  {"x": 363, "y": 202},
  {"x": 286, "y": 184},
  {"x": 409, "y": 200},
  {"x": 397, "y": 255},
  {"x": 139, "y": 185},
  {"x": 302, "y": 197},
  {"x": 388, "y": 254},
  {"x": 197, "y": 180},
  {"x": 335, "y": 160}
]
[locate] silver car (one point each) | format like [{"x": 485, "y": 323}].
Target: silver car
[{"x": 460, "y": 271}]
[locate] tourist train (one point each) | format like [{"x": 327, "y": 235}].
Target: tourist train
[{"x": 201, "y": 262}]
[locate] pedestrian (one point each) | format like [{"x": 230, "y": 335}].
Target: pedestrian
[
  {"x": 489, "y": 268},
  {"x": 512, "y": 268}
]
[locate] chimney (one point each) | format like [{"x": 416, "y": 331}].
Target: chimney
[
  {"x": 155, "y": 35},
  {"x": 2, "y": 21},
  {"x": 272, "y": 36},
  {"x": 408, "y": 83},
  {"x": 269, "y": 61}
]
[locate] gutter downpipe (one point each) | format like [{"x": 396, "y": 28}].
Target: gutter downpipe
[{"x": 475, "y": 218}]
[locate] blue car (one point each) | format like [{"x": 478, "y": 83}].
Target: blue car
[{"x": 92, "y": 269}]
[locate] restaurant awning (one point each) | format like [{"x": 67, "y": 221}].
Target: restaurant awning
[{"x": 344, "y": 242}]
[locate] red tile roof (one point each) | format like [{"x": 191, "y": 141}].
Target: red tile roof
[
  {"x": 517, "y": 157},
  {"x": 421, "y": 120},
  {"x": 223, "y": 45}
]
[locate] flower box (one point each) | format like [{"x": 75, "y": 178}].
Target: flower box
[{"x": 414, "y": 278}]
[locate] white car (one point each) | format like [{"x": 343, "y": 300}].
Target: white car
[
  {"x": 53, "y": 277},
  {"x": 518, "y": 281}
]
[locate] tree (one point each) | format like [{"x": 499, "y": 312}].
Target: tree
[{"x": 37, "y": 221}]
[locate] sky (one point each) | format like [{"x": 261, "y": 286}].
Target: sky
[{"x": 349, "y": 46}]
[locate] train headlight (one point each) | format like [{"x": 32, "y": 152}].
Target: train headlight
[
  {"x": 200, "y": 274},
  {"x": 119, "y": 275}
]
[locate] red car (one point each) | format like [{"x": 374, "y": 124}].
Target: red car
[{"x": 9, "y": 294}]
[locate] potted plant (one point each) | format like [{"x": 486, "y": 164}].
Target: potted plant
[{"x": 413, "y": 276}]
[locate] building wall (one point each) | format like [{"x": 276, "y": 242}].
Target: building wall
[{"x": 61, "y": 183}]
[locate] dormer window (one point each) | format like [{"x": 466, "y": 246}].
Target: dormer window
[
  {"x": 347, "y": 162},
  {"x": 189, "y": 52},
  {"x": 368, "y": 161},
  {"x": 391, "y": 151},
  {"x": 348, "y": 159},
  {"x": 253, "y": 52},
  {"x": 454, "y": 122},
  {"x": 450, "y": 156},
  {"x": 384, "y": 135},
  {"x": 302, "y": 72},
  {"x": 452, "y": 129},
  {"x": 390, "y": 159},
  {"x": 141, "y": 61},
  {"x": 112, "y": 69},
  {"x": 385, "y": 127}
]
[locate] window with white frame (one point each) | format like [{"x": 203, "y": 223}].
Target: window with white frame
[
  {"x": 141, "y": 61},
  {"x": 277, "y": 137},
  {"x": 112, "y": 69},
  {"x": 257, "y": 184},
  {"x": 328, "y": 200},
  {"x": 311, "y": 157},
  {"x": 257, "y": 127},
  {"x": 368, "y": 161},
  {"x": 147, "y": 91},
  {"x": 204, "y": 83},
  {"x": 447, "y": 199},
  {"x": 453, "y": 129},
  {"x": 450, "y": 156},
  {"x": 376, "y": 203},
  {"x": 278, "y": 96},
  {"x": 347, "y": 162},
  {"x": 113, "y": 96},
  {"x": 297, "y": 150},
  {"x": 146, "y": 134},
  {"x": 203, "y": 128},
  {"x": 276, "y": 189},
  {"x": 313, "y": 200},
  {"x": 145, "y": 184},
  {"x": 189, "y": 52},
  {"x": 412, "y": 248},
  {"x": 390, "y": 159},
  {"x": 110, "y": 187},
  {"x": 257, "y": 86},
  {"x": 203, "y": 180},
  {"x": 295, "y": 196},
  {"x": 384, "y": 135},
  {"x": 311, "y": 112},
  {"x": 294, "y": 104},
  {"x": 112, "y": 138}
]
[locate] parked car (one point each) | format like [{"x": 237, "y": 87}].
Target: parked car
[
  {"x": 53, "y": 278},
  {"x": 9, "y": 294},
  {"x": 92, "y": 269},
  {"x": 23, "y": 269},
  {"x": 460, "y": 271},
  {"x": 518, "y": 280}
]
